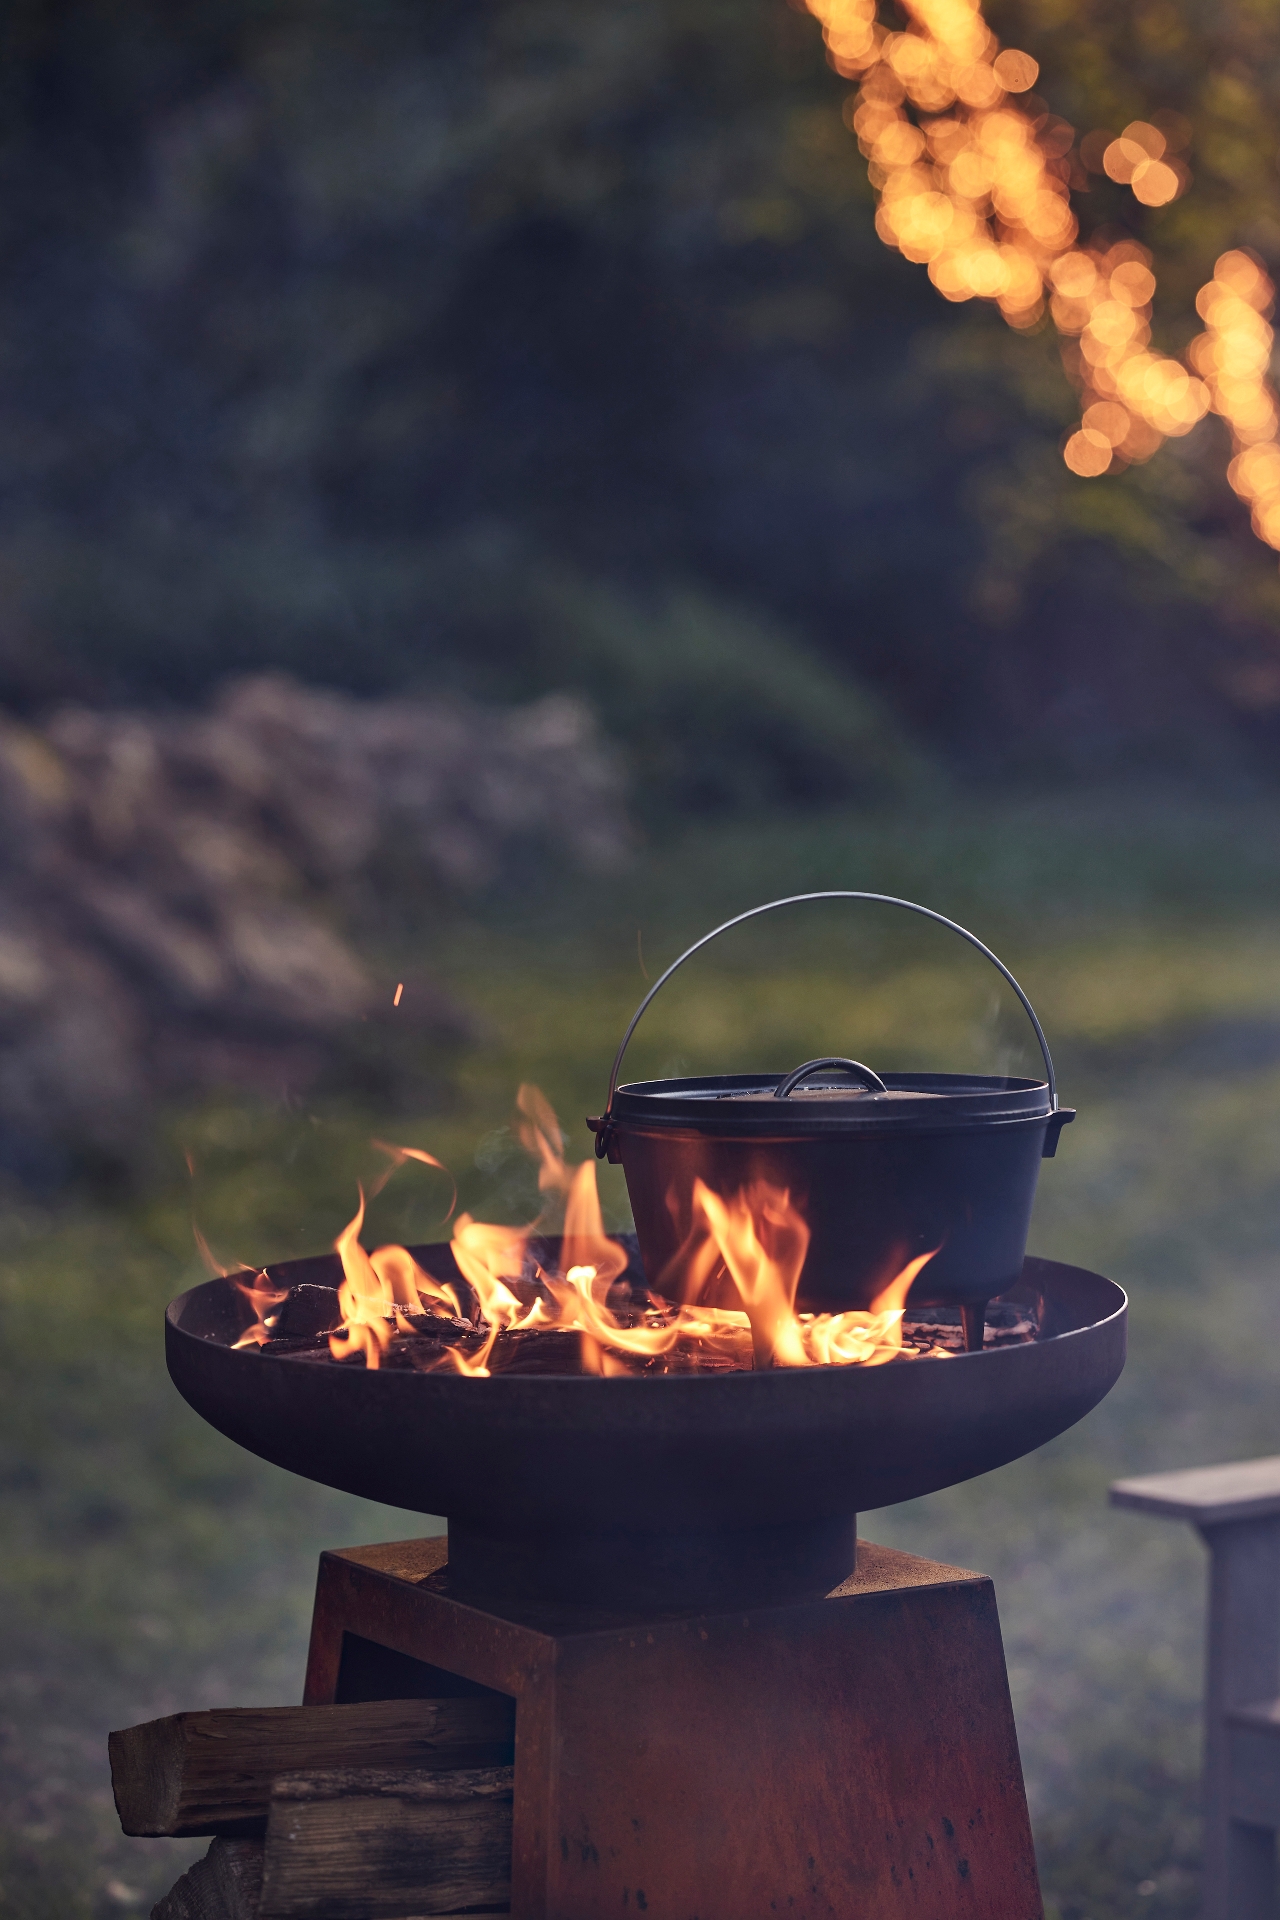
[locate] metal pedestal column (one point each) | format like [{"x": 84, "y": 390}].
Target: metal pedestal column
[{"x": 853, "y": 1756}]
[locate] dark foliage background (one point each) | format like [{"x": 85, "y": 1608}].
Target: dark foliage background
[{"x": 506, "y": 345}]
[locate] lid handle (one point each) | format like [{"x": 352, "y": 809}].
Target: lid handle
[
  {"x": 871, "y": 1081},
  {"x": 603, "y": 1126}
]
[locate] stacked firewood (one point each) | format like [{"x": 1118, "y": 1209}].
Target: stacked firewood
[
  {"x": 182, "y": 895},
  {"x": 365, "y": 1812}
]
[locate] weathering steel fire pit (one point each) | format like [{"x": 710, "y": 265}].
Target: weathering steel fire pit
[
  {"x": 589, "y": 1438},
  {"x": 726, "y": 1704},
  {"x": 677, "y": 1489}
]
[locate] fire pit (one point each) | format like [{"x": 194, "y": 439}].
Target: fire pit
[
  {"x": 676, "y": 1489},
  {"x": 725, "y": 1703}
]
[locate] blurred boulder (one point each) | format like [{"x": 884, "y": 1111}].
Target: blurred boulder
[{"x": 176, "y": 888}]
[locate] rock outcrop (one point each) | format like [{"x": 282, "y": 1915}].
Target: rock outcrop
[{"x": 177, "y": 890}]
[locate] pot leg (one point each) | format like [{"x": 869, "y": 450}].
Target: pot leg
[{"x": 973, "y": 1318}]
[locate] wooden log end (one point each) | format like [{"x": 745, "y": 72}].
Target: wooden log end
[
  {"x": 225, "y": 1885},
  {"x": 213, "y": 1773},
  {"x": 383, "y": 1843}
]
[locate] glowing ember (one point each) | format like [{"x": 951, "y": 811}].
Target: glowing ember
[{"x": 752, "y": 1244}]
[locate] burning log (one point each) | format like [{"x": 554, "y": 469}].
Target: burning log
[
  {"x": 197, "y": 1773},
  {"x": 359, "y": 1844}
]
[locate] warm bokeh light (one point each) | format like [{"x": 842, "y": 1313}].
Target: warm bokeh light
[
  {"x": 1134, "y": 399},
  {"x": 1016, "y": 72},
  {"x": 1233, "y": 354},
  {"x": 976, "y": 187},
  {"x": 1138, "y": 159}
]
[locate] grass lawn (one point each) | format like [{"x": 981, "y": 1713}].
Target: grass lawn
[{"x": 150, "y": 1565}]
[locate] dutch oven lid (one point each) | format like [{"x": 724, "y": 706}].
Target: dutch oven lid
[
  {"x": 819, "y": 1098},
  {"x": 831, "y": 1094}
]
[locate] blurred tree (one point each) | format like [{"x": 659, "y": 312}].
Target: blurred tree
[{"x": 335, "y": 334}]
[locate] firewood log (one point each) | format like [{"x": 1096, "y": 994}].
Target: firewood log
[
  {"x": 197, "y": 1773},
  {"x": 225, "y": 1885},
  {"x": 371, "y": 1843}
]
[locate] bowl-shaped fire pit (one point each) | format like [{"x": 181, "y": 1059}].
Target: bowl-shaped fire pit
[{"x": 678, "y": 1489}]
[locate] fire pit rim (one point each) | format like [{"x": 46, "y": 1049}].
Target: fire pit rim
[
  {"x": 728, "y": 1454},
  {"x": 511, "y": 1385}
]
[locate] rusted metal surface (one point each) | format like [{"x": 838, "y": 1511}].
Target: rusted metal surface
[
  {"x": 848, "y": 1756},
  {"x": 685, "y": 1457}
]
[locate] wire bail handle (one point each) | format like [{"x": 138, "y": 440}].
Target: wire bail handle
[{"x": 603, "y": 1127}]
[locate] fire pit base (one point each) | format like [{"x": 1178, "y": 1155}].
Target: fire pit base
[
  {"x": 847, "y": 1756},
  {"x": 756, "y": 1566}
]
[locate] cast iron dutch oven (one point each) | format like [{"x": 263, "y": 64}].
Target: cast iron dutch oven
[{"x": 884, "y": 1166}]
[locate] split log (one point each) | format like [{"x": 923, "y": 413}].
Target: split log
[
  {"x": 371, "y": 1844},
  {"x": 225, "y": 1885},
  {"x": 197, "y": 1773}
]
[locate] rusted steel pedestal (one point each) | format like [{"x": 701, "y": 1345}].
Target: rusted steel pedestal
[{"x": 853, "y": 1756}]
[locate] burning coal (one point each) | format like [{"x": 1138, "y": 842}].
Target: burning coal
[{"x": 571, "y": 1305}]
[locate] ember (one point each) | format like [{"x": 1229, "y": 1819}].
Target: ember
[{"x": 518, "y": 1306}]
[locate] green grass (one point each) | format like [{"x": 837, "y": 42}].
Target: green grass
[{"x": 150, "y": 1565}]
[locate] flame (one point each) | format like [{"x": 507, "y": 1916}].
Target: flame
[
  {"x": 491, "y": 1258},
  {"x": 398, "y": 1155},
  {"x": 258, "y": 1289},
  {"x": 763, "y": 1239},
  {"x": 379, "y": 1289},
  {"x": 758, "y": 1238}
]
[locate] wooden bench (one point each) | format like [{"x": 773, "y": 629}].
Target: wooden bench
[{"x": 1236, "y": 1509}]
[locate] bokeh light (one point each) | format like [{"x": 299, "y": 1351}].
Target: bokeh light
[
  {"x": 971, "y": 189},
  {"x": 1135, "y": 398},
  {"x": 1233, "y": 355},
  {"x": 975, "y": 186}
]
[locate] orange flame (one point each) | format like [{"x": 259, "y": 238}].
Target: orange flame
[
  {"x": 758, "y": 1237},
  {"x": 377, "y": 1289},
  {"x": 258, "y": 1290},
  {"x": 763, "y": 1239}
]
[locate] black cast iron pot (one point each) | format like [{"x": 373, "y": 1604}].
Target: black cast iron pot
[{"x": 884, "y": 1167}]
